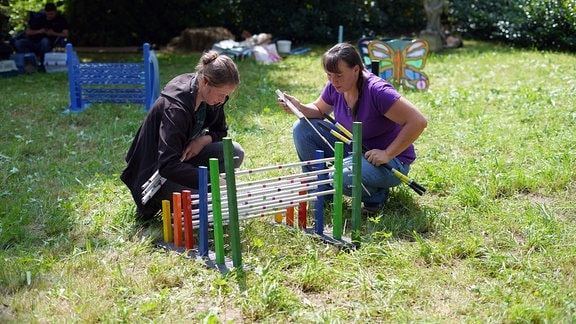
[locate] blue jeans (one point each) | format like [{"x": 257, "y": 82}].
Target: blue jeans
[
  {"x": 37, "y": 47},
  {"x": 376, "y": 180}
]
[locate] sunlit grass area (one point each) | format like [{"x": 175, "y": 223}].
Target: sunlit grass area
[{"x": 492, "y": 240}]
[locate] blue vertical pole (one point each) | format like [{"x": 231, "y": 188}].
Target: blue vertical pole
[
  {"x": 75, "y": 95},
  {"x": 147, "y": 77},
  {"x": 203, "y": 209}
]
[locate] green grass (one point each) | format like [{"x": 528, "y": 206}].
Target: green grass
[{"x": 492, "y": 240}]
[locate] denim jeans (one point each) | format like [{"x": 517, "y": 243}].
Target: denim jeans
[
  {"x": 376, "y": 180},
  {"x": 39, "y": 48}
]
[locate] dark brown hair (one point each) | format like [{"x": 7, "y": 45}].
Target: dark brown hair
[
  {"x": 346, "y": 53},
  {"x": 50, "y": 7},
  {"x": 218, "y": 70}
]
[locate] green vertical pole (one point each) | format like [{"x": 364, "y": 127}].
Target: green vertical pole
[
  {"x": 232, "y": 203},
  {"x": 356, "y": 182},
  {"x": 338, "y": 183},
  {"x": 217, "y": 211}
]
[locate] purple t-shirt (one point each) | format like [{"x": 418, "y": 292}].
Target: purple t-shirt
[{"x": 377, "y": 130}]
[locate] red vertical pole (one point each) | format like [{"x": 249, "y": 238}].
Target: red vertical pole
[
  {"x": 187, "y": 209},
  {"x": 302, "y": 212},
  {"x": 177, "y": 214}
]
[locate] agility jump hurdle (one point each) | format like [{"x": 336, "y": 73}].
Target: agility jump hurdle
[
  {"x": 259, "y": 198},
  {"x": 112, "y": 82}
]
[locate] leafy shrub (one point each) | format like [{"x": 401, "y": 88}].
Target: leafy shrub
[{"x": 544, "y": 24}]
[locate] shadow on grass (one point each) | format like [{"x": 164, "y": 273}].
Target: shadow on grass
[{"x": 400, "y": 218}]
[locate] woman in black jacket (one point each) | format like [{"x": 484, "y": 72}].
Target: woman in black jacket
[{"x": 182, "y": 131}]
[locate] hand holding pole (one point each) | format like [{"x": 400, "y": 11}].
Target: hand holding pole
[
  {"x": 347, "y": 138},
  {"x": 300, "y": 115}
]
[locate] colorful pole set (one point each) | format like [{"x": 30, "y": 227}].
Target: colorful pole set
[{"x": 277, "y": 196}]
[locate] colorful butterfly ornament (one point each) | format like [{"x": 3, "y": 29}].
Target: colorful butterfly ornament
[
  {"x": 401, "y": 61},
  {"x": 363, "y": 46}
]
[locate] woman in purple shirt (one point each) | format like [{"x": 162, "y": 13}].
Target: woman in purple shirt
[{"x": 390, "y": 123}]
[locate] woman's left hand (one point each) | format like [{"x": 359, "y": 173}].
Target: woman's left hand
[{"x": 194, "y": 147}]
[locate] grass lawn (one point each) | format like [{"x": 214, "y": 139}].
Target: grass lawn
[{"x": 492, "y": 240}]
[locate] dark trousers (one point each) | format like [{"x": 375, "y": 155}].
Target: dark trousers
[
  {"x": 39, "y": 48},
  {"x": 213, "y": 150}
]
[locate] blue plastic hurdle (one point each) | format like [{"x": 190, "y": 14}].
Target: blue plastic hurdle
[{"x": 112, "y": 82}]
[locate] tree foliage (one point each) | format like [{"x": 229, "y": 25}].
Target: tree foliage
[
  {"x": 544, "y": 24},
  {"x": 536, "y": 23}
]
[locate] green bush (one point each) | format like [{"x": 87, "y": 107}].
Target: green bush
[
  {"x": 14, "y": 15},
  {"x": 126, "y": 22},
  {"x": 552, "y": 24},
  {"x": 4, "y": 19},
  {"x": 543, "y": 24}
]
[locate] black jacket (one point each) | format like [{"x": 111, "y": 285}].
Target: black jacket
[{"x": 164, "y": 134}]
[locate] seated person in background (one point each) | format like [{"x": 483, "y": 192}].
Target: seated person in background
[{"x": 44, "y": 32}]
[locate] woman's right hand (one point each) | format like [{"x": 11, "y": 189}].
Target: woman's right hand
[{"x": 284, "y": 106}]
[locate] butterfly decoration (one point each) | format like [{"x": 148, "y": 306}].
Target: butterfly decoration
[
  {"x": 400, "y": 60},
  {"x": 363, "y": 46}
]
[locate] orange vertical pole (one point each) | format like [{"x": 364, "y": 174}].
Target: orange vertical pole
[{"x": 290, "y": 216}]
